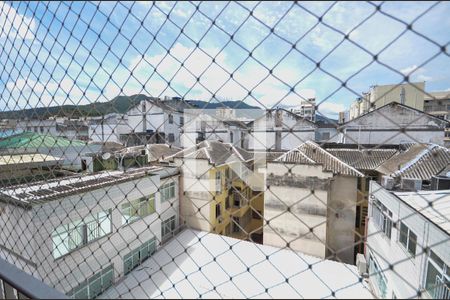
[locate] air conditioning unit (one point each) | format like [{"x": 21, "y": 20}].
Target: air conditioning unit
[
  {"x": 361, "y": 264},
  {"x": 440, "y": 183},
  {"x": 387, "y": 182},
  {"x": 411, "y": 184}
]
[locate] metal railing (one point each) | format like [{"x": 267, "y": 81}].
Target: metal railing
[{"x": 17, "y": 284}]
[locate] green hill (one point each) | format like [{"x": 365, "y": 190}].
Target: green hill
[{"x": 119, "y": 104}]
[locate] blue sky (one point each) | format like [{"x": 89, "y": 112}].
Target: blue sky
[{"x": 71, "y": 53}]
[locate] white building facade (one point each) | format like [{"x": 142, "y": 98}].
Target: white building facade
[
  {"x": 408, "y": 245},
  {"x": 91, "y": 230}
]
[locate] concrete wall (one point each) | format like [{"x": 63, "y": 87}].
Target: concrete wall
[
  {"x": 306, "y": 211},
  {"x": 384, "y": 126},
  {"x": 341, "y": 214}
]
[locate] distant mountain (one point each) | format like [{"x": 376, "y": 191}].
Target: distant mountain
[
  {"x": 219, "y": 104},
  {"x": 120, "y": 104}
]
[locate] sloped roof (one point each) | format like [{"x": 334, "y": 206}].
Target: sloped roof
[
  {"x": 160, "y": 151},
  {"x": 362, "y": 159},
  {"x": 32, "y": 140},
  {"x": 420, "y": 161},
  {"x": 216, "y": 152},
  {"x": 311, "y": 153}
]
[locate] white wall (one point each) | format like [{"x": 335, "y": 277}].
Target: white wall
[
  {"x": 68, "y": 271},
  {"x": 407, "y": 277}
]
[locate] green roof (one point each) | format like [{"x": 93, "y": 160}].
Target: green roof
[{"x": 31, "y": 140}]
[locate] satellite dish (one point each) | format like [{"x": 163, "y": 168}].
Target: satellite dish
[{"x": 106, "y": 156}]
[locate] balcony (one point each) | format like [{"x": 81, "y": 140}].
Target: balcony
[{"x": 17, "y": 284}]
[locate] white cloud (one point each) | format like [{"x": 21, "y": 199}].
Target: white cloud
[
  {"x": 330, "y": 109},
  {"x": 416, "y": 73},
  {"x": 14, "y": 25},
  {"x": 409, "y": 70}
]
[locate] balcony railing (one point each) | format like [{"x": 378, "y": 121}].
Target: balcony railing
[{"x": 16, "y": 284}]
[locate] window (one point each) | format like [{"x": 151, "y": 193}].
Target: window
[
  {"x": 408, "y": 239},
  {"x": 236, "y": 227},
  {"x": 382, "y": 217},
  {"x": 170, "y": 119},
  {"x": 358, "y": 216},
  {"x": 69, "y": 237},
  {"x": 171, "y": 138},
  {"x": 437, "y": 280},
  {"x": 236, "y": 199},
  {"x": 231, "y": 137},
  {"x": 181, "y": 121},
  {"x": 139, "y": 208},
  {"x": 138, "y": 255},
  {"x": 168, "y": 227},
  {"x": 167, "y": 191},
  {"x": 41, "y": 129},
  {"x": 325, "y": 136},
  {"x": 218, "y": 181},
  {"x": 379, "y": 278},
  {"x": 94, "y": 285},
  {"x": 218, "y": 210}
]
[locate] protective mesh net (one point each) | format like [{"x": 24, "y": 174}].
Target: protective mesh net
[{"x": 226, "y": 149}]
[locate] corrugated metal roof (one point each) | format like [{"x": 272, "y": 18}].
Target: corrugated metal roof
[
  {"x": 310, "y": 152},
  {"x": 420, "y": 161},
  {"x": 44, "y": 191},
  {"x": 31, "y": 140},
  {"x": 363, "y": 159},
  {"x": 439, "y": 210}
]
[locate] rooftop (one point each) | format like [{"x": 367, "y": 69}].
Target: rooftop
[
  {"x": 243, "y": 272},
  {"x": 161, "y": 151},
  {"x": 311, "y": 153},
  {"x": 34, "y": 158},
  {"x": 362, "y": 159},
  {"x": 44, "y": 191},
  {"x": 419, "y": 161},
  {"x": 32, "y": 140},
  {"x": 433, "y": 205}
]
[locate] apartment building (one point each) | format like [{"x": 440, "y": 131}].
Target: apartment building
[
  {"x": 108, "y": 128},
  {"x": 279, "y": 130},
  {"x": 80, "y": 234},
  {"x": 310, "y": 203},
  {"x": 409, "y": 94},
  {"x": 153, "y": 121},
  {"x": 222, "y": 194},
  {"x": 76, "y": 129},
  {"x": 408, "y": 243},
  {"x": 393, "y": 123}
]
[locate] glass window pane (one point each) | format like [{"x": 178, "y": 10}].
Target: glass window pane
[
  {"x": 403, "y": 234},
  {"x": 412, "y": 243}
]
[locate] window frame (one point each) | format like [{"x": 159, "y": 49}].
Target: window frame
[
  {"x": 408, "y": 238},
  {"x": 138, "y": 209},
  {"x": 81, "y": 227}
]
